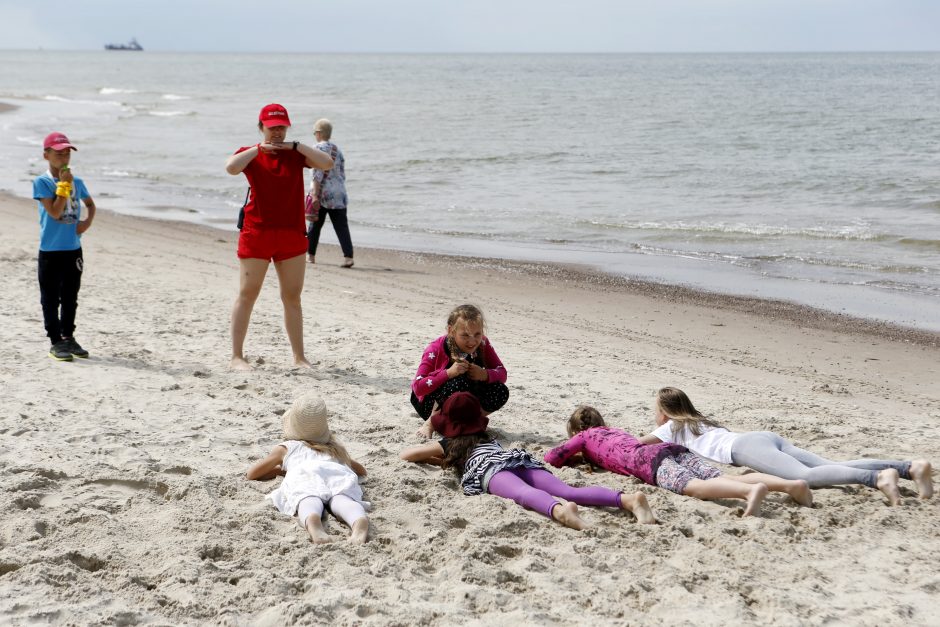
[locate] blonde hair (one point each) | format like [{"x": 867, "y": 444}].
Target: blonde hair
[
  {"x": 676, "y": 406},
  {"x": 334, "y": 448},
  {"x": 583, "y": 418},
  {"x": 325, "y": 127},
  {"x": 466, "y": 313}
]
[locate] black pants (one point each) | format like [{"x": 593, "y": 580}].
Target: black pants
[
  {"x": 492, "y": 396},
  {"x": 60, "y": 277},
  {"x": 340, "y": 225}
]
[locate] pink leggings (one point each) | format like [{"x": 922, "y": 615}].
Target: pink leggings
[{"x": 535, "y": 488}]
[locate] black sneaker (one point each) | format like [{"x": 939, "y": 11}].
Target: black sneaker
[
  {"x": 60, "y": 351},
  {"x": 75, "y": 348}
]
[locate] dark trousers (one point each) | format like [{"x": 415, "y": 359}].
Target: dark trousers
[
  {"x": 60, "y": 277},
  {"x": 492, "y": 396},
  {"x": 340, "y": 225}
]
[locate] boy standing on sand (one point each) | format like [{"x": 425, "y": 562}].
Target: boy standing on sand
[{"x": 60, "y": 195}]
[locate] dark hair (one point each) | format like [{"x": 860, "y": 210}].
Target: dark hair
[
  {"x": 459, "y": 448},
  {"x": 583, "y": 418}
]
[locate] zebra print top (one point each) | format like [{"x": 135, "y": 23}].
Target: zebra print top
[{"x": 487, "y": 459}]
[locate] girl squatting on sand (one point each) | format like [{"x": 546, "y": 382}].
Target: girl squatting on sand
[
  {"x": 486, "y": 467},
  {"x": 317, "y": 471},
  {"x": 767, "y": 452},
  {"x": 462, "y": 360},
  {"x": 669, "y": 466}
]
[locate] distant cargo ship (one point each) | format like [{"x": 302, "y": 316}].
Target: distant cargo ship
[{"x": 133, "y": 45}]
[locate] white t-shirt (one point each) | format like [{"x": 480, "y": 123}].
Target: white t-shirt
[{"x": 714, "y": 443}]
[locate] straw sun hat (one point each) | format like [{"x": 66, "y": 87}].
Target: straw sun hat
[{"x": 306, "y": 420}]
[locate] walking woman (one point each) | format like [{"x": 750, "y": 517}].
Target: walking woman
[{"x": 274, "y": 226}]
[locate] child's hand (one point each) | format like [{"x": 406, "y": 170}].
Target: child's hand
[
  {"x": 458, "y": 368},
  {"x": 65, "y": 174},
  {"x": 477, "y": 373},
  {"x": 83, "y": 226}
]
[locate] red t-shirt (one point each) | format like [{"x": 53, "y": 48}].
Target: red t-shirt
[{"x": 277, "y": 190}]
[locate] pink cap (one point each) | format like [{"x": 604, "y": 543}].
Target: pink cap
[
  {"x": 274, "y": 115},
  {"x": 57, "y": 141}
]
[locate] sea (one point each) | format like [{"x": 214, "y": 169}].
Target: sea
[{"x": 810, "y": 178}]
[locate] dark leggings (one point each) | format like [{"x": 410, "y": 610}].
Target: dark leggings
[
  {"x": 492, "y": 396},
  {"x": 340, "y": 225},
  {"x": 536, "y": 489},
  {"x": 60, "y": 277}
]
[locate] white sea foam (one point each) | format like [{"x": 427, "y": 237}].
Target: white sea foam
[
  {"x": 174, "y": 97},
  {"x": 169, "y": 114},
  {"x": 115, "y": 90}
]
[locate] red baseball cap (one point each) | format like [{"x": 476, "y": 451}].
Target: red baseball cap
[
  {"x": 57, "y": 141},
  {"x": 274, "y": 115}
]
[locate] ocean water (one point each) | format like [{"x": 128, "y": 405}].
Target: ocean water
[{"x": 813, "y": 178}]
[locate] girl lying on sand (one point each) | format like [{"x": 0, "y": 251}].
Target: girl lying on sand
[
  {"x": 485, "y": 466},
  {"x": 767, "y": 452},
  {"x": 669, "y": 466},
  {"x": 317, "y": 471}
]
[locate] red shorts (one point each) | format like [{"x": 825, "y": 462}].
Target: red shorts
[{"x": 271, "y": 244}]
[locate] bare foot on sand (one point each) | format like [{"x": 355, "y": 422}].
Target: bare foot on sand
[
  {"x": 888, "y": 483},
  {"x": 567, "y": 515},
  {"x": 315, "y": 528},
  {"x": 637, "y": 504},
  {"x": 755, "y": 498},
  {"x": 359, "y": 533},
  {"x": 426, "y": 431},
  {"x": 799, "y": 491},
  {"x": 921, "y": 471},
  {"x": 301, "y": 362},
  {"x": 239, "y": 364}
]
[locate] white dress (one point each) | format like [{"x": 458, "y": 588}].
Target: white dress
[{"x": 312, "y": 473}]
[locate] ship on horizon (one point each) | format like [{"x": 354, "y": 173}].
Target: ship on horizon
[{"x": 133, "y": 45}]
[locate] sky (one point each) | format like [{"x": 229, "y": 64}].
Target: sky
[{"x": 475, "y": 25}]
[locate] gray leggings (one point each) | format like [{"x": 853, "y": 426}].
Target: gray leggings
[{"x": 767, "y": 452}]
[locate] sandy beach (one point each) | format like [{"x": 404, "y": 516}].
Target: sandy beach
[{"x": 122, "y": 476}]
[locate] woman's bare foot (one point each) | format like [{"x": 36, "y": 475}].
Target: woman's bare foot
[
  {"x": 755, "y": 498},
  {"x": 239, "y": 364},
  {"x": 359, "y": 532},
  {"x": 426, "y": 430},
  {"x": 637, "y": 504},
  {"x": 316, "y": 531},
  {"x": 921, "y": 472},
  {"x": 888, "y": 483},
  {"x": 301, "y": 362},
  {"x": 799, "y": 491},
  {"x": 311, "y": 258},
  {"x": 567, "y": 515}
]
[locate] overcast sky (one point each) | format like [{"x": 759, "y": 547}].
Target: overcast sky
[{"x": 474, "y": 25}]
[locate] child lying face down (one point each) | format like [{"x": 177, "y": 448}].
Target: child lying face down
[
  {"x": 668, "y": 466},
  {"x": 486, "y": 467}
]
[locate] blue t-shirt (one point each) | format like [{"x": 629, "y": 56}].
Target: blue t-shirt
[{"x": 59, "y": 234}]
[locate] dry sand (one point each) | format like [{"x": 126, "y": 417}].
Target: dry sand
[{"x": 122, "y": 476}]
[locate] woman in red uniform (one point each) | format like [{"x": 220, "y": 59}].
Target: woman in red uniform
[{"x": 274, "y": 228}]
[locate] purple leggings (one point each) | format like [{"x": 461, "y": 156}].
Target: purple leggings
[{"x": 534, "y": 488}]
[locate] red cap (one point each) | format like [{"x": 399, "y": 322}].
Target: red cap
[
  {"x": 57, "y": 141},
  {"x": 274, "y": 115},
  {"x": 460, "y": 415}
]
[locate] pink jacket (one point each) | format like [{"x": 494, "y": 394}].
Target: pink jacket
[
  {"x": 617, "y": 451},
  {"x": 432, "y": 373}
]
